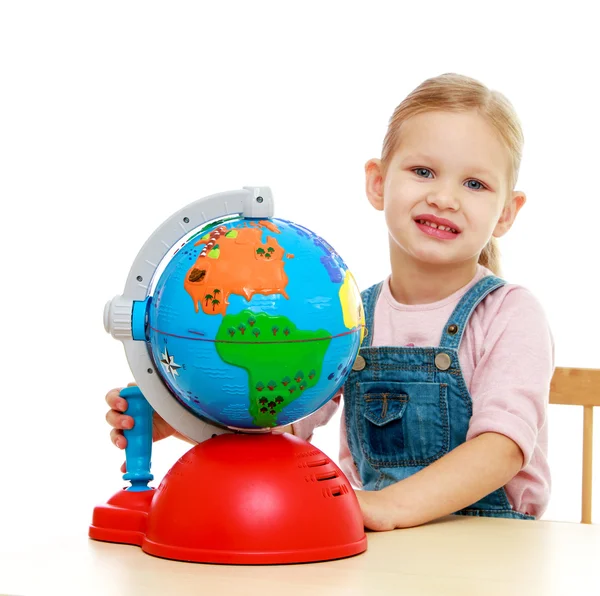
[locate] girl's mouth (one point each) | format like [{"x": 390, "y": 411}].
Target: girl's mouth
[{"x": 435, "y": 230}]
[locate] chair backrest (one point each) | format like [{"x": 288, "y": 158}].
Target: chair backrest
[{"x": 580, "y": 387}]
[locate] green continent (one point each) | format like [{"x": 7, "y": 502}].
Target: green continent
[{"x": 281, "y": 360}]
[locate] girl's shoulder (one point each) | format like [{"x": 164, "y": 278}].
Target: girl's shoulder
[
  {"x": 511, "y": 306},
  {"x": 510, "y": 332}
]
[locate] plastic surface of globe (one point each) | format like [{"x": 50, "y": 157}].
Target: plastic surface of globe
[{"x": 254, "y": 323}]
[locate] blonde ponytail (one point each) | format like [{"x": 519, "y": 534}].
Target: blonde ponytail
[{"x": 490, "y": 256}]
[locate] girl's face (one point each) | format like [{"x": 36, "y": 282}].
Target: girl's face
[{"x": 446, "y": 190}]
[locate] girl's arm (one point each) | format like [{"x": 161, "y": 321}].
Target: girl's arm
[{"x": 459, "y": 479}]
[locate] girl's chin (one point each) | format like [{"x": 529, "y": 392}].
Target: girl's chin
[
  {"x": 432, "y": 253},
  {"x": 442, "y": 259}
]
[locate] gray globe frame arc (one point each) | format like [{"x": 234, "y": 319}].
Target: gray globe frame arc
[{"x": 250, "y": 202}]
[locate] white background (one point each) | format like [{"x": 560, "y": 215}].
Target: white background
[{"x": 114, "y": 115}]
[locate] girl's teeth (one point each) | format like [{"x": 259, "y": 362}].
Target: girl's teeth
[{"x": 433, "y": 225}]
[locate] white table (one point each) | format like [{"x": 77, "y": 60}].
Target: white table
[{"x": 456, "y": 555}]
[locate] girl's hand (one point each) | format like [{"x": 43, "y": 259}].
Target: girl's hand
[
  {"x": 283, "y": 429},
  {"x": 120, "y": 421},
  {"x": 378, "y": 513}
]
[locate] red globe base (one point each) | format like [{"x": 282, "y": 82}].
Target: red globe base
[{"x": 241, "y": 499}]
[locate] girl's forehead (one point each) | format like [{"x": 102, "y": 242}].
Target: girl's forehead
[
  {"x": 466, "y": 127},
  {"x": 456, "y": 136}
]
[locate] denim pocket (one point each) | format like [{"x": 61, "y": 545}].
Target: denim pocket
[
  {"x": 403, "y": 424},
  {"x": 384, "y": 407}
]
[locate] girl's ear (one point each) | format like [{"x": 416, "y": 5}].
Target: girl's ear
[
  {"x": 509, "y": 213},
  {"x": 374, "y": 183}
]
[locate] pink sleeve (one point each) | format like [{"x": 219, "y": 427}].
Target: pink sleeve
[
  {"x": 511, "y": 383},
  {"x": 304, "y": 428}
]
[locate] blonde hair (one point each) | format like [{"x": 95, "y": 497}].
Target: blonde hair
[{"x": 458, "y": 93}]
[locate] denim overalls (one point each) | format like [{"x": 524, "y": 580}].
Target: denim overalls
[{"x": 405, "y": 407}]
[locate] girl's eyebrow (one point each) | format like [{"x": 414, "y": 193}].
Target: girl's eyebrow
[{"x": 417, "y": 157}]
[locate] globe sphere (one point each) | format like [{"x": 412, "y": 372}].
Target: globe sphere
[{"x": 254, "y": 323}]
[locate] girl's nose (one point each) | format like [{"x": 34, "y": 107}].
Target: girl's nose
[{"x": 443, "y": 198}]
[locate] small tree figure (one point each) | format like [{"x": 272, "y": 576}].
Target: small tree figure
[
  {"x": 242, "y": 328},
  {"x": 208, "y": 298},
  {"x": 216, "y": 292},
  {"x": 312, "y": 374},
  {"x": 215, "y": 302},
  {"x": 299, "y": 376},
  {"x": 268, "y": 255},
  {"x": 286, "y": 381},
  {"x": 260, "y": 386},
  {"x": 279, "y": 399},
  {"x": 251, "y": 321},
  {"x": 272, "y": 385},
  {"x": 231, "y": 331},
  {"x": 286, "y": 331},
  {"x": 271, "y": 250},
  {"x": 275, "y": 329},
  {"x": 256, "y": 332},
  {"x": 260, "y": 252}
]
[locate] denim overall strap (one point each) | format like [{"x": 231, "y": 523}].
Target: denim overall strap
[
  {"x": 369, "y": 300},
  {"x": 455, "y": 327}
]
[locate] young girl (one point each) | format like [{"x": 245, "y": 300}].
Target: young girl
[{"x": 445, "y": 408}]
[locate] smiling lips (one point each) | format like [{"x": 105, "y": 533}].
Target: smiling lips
[{"x": 437, "y": 227}]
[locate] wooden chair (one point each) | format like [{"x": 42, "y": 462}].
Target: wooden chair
[{"x": 580, "y": 387}]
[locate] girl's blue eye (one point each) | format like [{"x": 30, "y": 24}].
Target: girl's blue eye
[
  {"x": 423, "y": 172},
  {"x": 475, "y": 185}
]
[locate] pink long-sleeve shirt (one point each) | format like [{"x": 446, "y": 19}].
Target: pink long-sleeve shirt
[{"x": 507, "y": 361}]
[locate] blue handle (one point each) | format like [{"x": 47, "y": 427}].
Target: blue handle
[{"x": 139, "y": 440}]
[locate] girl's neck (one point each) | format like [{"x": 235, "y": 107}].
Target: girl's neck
[{"x": 415, "y": 282}]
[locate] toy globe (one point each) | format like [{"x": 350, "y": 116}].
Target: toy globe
[{"x": 235, "y": 323}]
